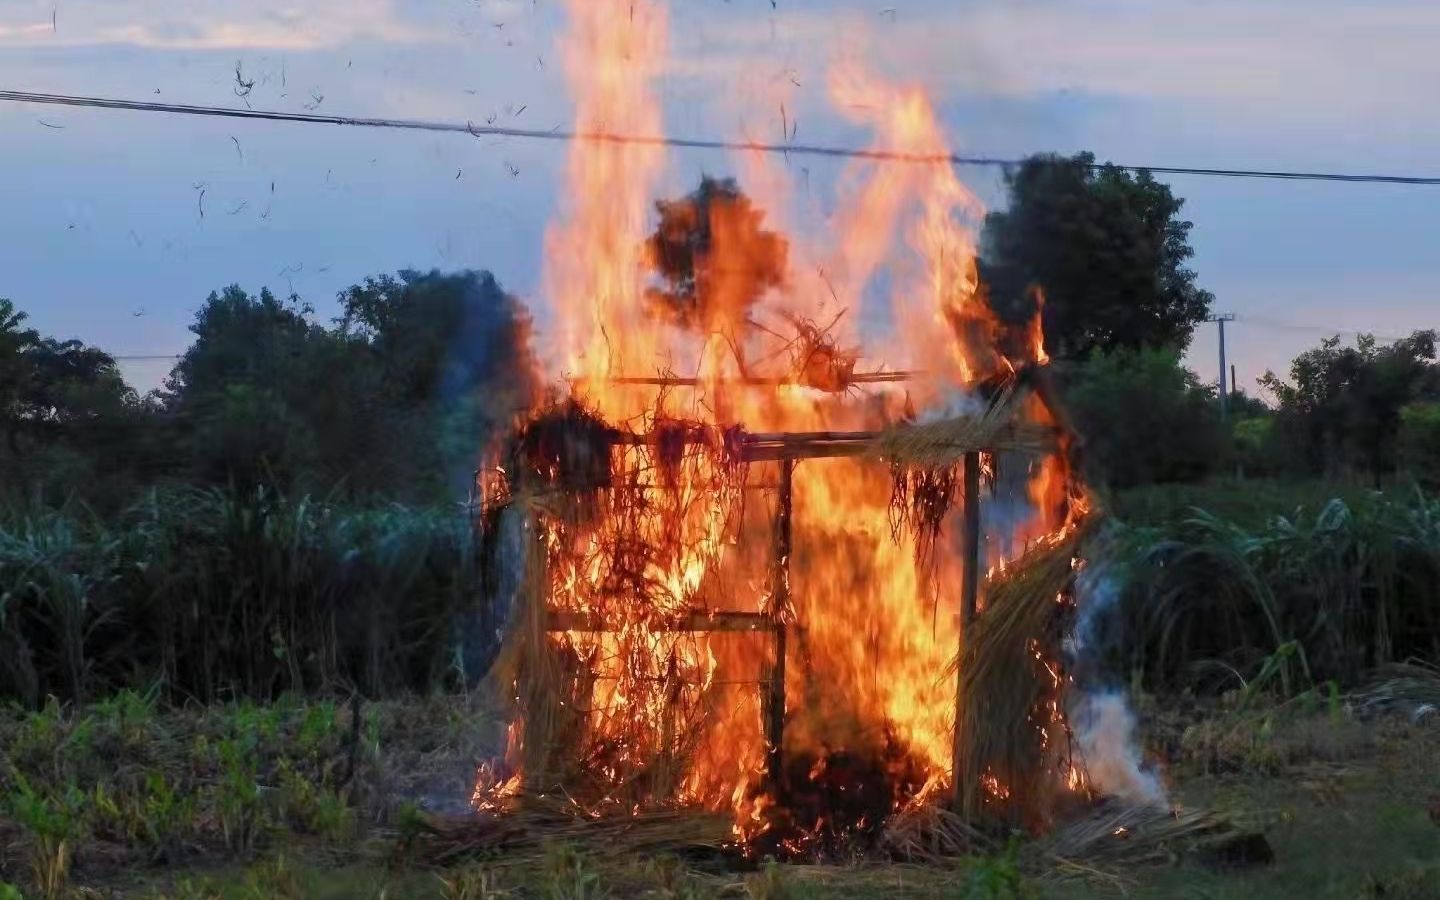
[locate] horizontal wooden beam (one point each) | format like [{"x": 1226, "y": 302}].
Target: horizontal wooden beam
[
  {"x": 772, "y": 446},
  {"x": 699, "y": 620},
  {"x": 748, "y": 380}
]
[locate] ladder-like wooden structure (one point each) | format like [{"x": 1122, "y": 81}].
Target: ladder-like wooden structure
[{"x": 789, "y": 448}]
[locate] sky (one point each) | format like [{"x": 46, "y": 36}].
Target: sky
[{"x": 116, "y": 225}]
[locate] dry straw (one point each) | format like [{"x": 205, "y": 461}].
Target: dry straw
[
  {"x": 1008, "y": 734},
  {"x": 945, "y": 442}
]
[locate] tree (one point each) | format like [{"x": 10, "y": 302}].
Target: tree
[
  {"x": 1144, "y": 418},
  {"x": 16, "y": 371},
  {"x": 244, "y": 395},
  {"x": 1106, "y": 248},
  {"x": 396, "y": 400},
  {"x": 67, "y": 418},
  {"x": 452, "y": 356},
  {"x": 1419, "y": 442},
  {"x": 1341, "y": 410}
]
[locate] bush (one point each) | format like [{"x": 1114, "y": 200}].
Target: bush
[
  {"x": 1255, "y": 447},
  {"x": 216, "y": 593},
  {"x": 1144, "y": 419},
  {"x": 1420, "y": 442},
  {"x": 1308, "y": 597}
]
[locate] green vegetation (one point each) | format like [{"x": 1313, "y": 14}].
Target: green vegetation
[
  {"x": 1419, "y": 442},
  {"x": 198, "y": 587},
  {"x": 1322, "y": 594},
  {"x": 130, "y": 796},
  {"x": 1145, "y": 419},
  {"x": 1344, "y": 409},
  {"x": 427, "y": 367},
  {"x": 126, "y": 786},
  {"x": 1108, "y": 250},
  {"x": 213, "y": 594}
]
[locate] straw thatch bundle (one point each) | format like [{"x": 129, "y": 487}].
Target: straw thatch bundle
[
  {"x": 533, "y": 822},
  {"x": 945, "y": 442},
  {"x": 1011, "y": 737},
  {"x": 1412, "y": 688},
  {"x": 1137, "y": 835}
]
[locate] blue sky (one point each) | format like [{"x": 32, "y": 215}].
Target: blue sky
[{"x": 103, "y": 238}]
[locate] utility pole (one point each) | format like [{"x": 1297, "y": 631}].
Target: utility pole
[{"x": 1220, "y": 320}]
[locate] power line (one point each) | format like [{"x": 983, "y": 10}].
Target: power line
[
  {"x": 1262, "y": 321},
  {"x": 1266, "y": 322},
  {"x": 559, "y": 134}
]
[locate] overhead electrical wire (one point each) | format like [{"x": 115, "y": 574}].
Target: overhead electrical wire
[
  {"x": 559, "y": 134},
  {"x": 1261, "y": 321},
  {"x": 1267, "y": 322}
]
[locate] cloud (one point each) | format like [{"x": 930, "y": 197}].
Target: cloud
[
  {"x": 21, "y": 32},
  {"x": 201, "y": 25},
  {"x": 1291, "y": 57}
]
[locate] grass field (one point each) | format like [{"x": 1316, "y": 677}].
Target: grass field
[
  {"x": 121, "y": 799},
  {"x": 1291, "y": 593}
]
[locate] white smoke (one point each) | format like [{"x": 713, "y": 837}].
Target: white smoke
[
  {"x": 1101, "y": 717},
  {"x": 1105, "y": 727}
]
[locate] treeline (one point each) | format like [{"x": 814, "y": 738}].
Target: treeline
[
  {"x": 1102, "y": 254},
  {"x": 282, "y": 515},
  {"x": 1364, "y": 415},
  {"x": 392, "y": 400}
]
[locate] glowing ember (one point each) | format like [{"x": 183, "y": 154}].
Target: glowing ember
[{"x": 665, "y": 574}]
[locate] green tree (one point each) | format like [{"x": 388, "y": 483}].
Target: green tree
[
  {"x": 450, "y": 361},
  {"x": 1106, "y": 248},
  {"x": 16, "y": 371},
  {"x": 1144, "y": 418},
  {"x": 244, "y": 395},
  {"x": 1420, "y": 442},
  {"x": 68, "y": 418},
  {"x": 1340, "y": 412}
]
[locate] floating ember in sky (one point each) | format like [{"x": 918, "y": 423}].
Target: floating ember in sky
[{"x": 738, "y": 515}]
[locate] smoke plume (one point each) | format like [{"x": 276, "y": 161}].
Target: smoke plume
[{"x": 1100, "y": 714}]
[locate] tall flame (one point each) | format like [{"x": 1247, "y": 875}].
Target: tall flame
[{"x": 872, "y": 629}]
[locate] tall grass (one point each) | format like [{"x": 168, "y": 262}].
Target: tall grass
[
  {"x": 1307, "y": 597},
  {"x": 215, "y": 594}
]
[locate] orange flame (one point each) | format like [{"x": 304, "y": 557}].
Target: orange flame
[{"x": 871, "y": 630}]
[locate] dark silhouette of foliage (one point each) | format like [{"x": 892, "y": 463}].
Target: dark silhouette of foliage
[
  {"x": 1341, "y": 411},
  {"x": 1106, "y": 248},
  {"x": 444, "y": 356},
  {"x": 714, "y": 257},
  {"x": 398, "y": 399},
  {"x": 67, "y": 417},
  {"x": 1144, "y": 418}
]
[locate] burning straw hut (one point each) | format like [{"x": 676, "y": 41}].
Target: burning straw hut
[
  {"x": 627, "y": 686},
  {"x": 753, "y": 561}
]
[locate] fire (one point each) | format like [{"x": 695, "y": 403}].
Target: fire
[{"x": 673, "y": 335}]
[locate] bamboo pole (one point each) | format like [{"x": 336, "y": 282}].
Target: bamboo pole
[
  {"x": 700, "y": 620},
  {"x": 779, "y": 607},
  {"x": 748, "y": 381},
  {"x": 969, "y": 596}
]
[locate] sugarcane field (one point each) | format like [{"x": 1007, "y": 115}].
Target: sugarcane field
[{"x": 761, "y": 449}]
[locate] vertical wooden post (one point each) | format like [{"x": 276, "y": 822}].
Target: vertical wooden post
[
  {"x": 969, "y": 594},
  {"x": 779, "y": 605}
]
